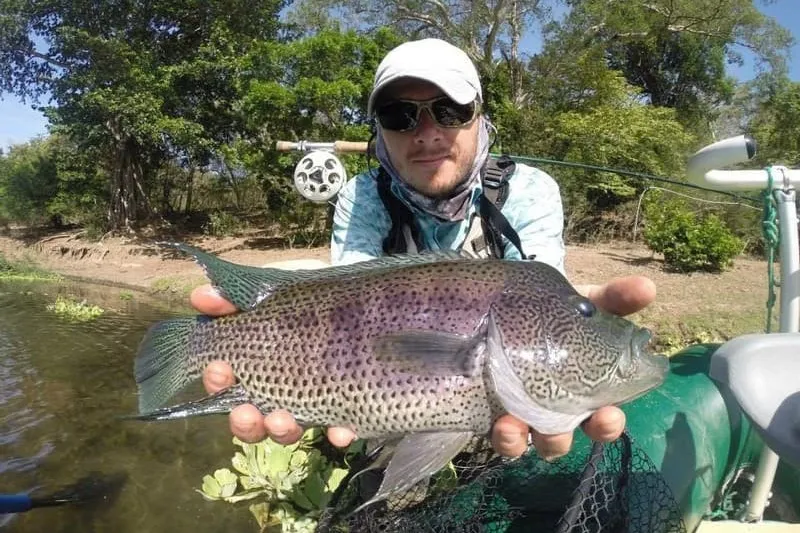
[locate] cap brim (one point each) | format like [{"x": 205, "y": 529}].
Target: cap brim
[{"x": 452, "y": 84}]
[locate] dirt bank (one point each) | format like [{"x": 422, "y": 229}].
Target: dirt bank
[{"x": 689, "y": 306}]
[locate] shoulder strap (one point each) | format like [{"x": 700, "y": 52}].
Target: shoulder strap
[
  {"x": 495, "y": 192},
  {"x": 403, "y": 233},
  {"x": 495, "y": 177}
]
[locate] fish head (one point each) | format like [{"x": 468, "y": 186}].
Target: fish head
[{"x": 573, "y": 356}]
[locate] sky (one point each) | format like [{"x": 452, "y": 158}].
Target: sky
[{"x": 20, "y": 123}]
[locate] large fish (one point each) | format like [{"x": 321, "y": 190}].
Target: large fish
[{"x": 426, "y": 350}]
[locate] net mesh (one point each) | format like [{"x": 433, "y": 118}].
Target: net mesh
[{"x": 596, "y": 488}]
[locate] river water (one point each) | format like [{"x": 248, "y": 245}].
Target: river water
[{"x": 63, "y": 390}]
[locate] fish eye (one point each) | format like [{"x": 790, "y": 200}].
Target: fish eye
[{"x": 586, "y": 308}]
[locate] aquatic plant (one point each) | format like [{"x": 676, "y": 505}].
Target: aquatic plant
[
  {"x": 293, "y": 483},
  {"x": 73, "y": 310},
  {"x": 24, "y": 271}
]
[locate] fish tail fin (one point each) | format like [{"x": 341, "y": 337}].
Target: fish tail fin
[{"x": 164, "y": 363}]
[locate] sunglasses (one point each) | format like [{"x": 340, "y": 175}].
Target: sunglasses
[{"x": 403, "y": 115}]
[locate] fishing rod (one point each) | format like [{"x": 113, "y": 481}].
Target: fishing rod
[
  {"x": 90, "y": 487},
  {"x": 319, "y": 175}
]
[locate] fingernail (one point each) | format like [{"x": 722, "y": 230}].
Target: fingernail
[
  {"x": 217, "y": 378},
  {"x": 211, "y": 290}
]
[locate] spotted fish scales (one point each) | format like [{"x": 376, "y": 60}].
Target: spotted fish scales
[{"x": 428, "y": 350}]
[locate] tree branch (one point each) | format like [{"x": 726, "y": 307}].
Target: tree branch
[{"x": 33, "y": 53}]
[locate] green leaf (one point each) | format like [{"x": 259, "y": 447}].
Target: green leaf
[
  {"x": 221, "y": 485},
  {"x": 227, "y": 482},
  {"x": 314, "y": 489},
  {"x": 211, "y": 488},
  {"x": 335, "y": 478}
]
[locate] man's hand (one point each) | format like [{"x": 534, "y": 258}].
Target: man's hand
[{"x": 621, "y": 296}]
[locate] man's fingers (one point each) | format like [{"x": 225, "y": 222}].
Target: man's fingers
[
  {"x": 247, "y": 423},
  {"x": 623, "y": 296},
  {"x": 606, "y": 425},
  {"x": 209, "y": 302},
  {"x": 218, "y": 375},
  {"x": 509, "y": 436},
  {"x": 341, "y": 437},
  {"x": 282, "y": 427},
  {"x": 551, "y": 447}
]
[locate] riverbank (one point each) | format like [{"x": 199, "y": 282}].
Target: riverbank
[{"x": 698, "y": 307}]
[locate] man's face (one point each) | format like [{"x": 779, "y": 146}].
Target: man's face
[{"x": 430, "y": 158}]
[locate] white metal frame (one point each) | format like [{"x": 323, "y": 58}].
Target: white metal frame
[{"x": 703, "y": 169}]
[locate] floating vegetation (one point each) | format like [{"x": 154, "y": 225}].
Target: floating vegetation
[
  {"x": 291, "y": 484},
  {"x": 73, "y": 310}
]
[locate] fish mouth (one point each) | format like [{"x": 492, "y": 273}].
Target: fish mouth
[{"x": 655, "y": 365}]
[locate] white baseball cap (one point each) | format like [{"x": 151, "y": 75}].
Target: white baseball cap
[{"x": 432, "y": 60}]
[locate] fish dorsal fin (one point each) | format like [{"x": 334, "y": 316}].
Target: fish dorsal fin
[
  {"x": 431, "y": 352},
  {"x": 417, "y": 457},
  {"x": 510, "y": 390},
  {"x": 248, "y": 286}
]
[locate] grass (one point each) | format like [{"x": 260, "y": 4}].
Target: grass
[
  {"x": 24, "y": 271},
  {"x": 176, "y": 286},
  {"x": 74, "y": 311},
  {"x": 671, "y": 335}
]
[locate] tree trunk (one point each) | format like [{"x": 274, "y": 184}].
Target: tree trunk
[
  {"x": 189, "y": 190},
  {"x": 129, "y": 205}
]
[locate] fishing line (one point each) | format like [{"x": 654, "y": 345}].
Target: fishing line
[{"x": 629, "y": 173}]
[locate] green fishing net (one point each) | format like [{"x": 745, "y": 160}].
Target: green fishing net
[{"x": 596, "y": 488}]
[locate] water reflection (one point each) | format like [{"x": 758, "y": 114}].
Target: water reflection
[{"x": 62, "y": 389}]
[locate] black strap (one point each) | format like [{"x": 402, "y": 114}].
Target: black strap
[
  {"x": 496, "y": 173},
  {"x": 497, "y": 224},
  {"x": 401, "y": 216}
]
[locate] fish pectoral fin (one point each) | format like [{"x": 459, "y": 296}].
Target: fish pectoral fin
[
  {"x": 509, "y": 389},
  {"x": 430, "y": 351},
  {"x": 416, "y": 458},
  {"x": 220, "y": 403}
]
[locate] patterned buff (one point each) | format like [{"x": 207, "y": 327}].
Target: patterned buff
[{"x": 454, "y": 206}]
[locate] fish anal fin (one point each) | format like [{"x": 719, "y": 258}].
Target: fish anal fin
[{"x": 416, "y": 458}]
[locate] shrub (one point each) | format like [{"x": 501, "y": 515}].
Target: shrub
[
  {"x": 222, "y": 224},
  {"x": 689, "y": 242}
]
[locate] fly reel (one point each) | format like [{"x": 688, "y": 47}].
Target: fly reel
[{"x": 319, "y": 176}]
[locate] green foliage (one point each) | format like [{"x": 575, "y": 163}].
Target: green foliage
[
  {"x": 290, "y": 485},
  {"x": 170, "y": 109},
  {"x": 689, "y": 242},
  {"x": 776, "y": 126},
  {"x": 222, "y": 224},
  {"x": 73, "y": 310},
  {"x": 24, "y": 271},
  {"x": 28, "y": 182}
]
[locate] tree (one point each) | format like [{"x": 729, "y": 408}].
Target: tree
[
  {"x": 776, "y": 125},
  {"x": 129, "y": 79},
  {"x": 675, "y": 50},
  {"x": 491, "y": 32},
  {"x": 28, "y": 181}
]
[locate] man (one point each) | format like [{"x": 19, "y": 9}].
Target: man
[{"x": 432, "y": 145}]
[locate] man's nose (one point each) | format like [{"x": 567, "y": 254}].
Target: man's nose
[{"x": 427, "y": 130}]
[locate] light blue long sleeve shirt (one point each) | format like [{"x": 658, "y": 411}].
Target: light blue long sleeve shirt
[{"x": 533, "y": 208}]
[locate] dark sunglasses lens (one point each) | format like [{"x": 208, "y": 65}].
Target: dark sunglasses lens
[
  {"x": 451, "y": 114},
  {"x": 398, "y": 116}
]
